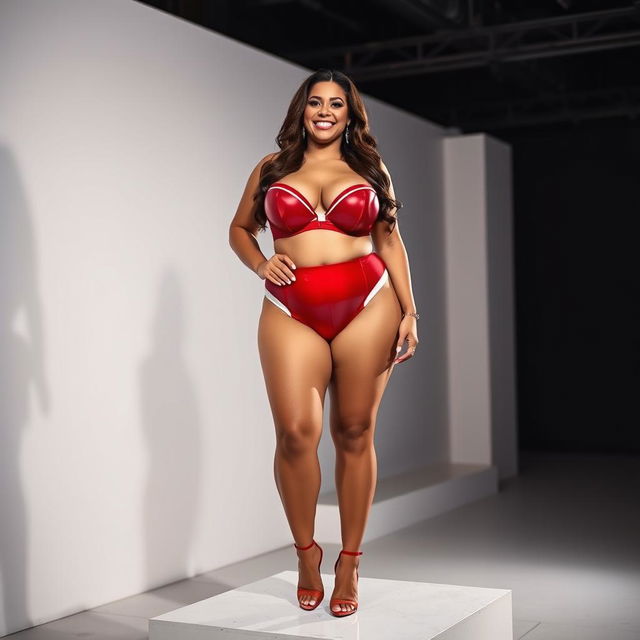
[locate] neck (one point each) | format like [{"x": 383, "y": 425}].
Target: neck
[{"x": 324, "y": 152}]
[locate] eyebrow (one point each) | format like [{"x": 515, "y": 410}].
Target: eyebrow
[{"x": 332, "y": 98}]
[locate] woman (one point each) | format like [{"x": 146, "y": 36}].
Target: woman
[{"x": 335, "y": 312}]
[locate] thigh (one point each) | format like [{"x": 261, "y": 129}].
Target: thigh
[
  {"x": 362, "y": 355},
  {"x": 296, "y": 363}
]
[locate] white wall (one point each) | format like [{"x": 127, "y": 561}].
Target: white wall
[
  {"x": 136, "y": 437},
  {"x": 480, "y": 318}
]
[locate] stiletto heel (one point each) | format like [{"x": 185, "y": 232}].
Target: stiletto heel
[
  {"x": 333, "y": 601},
  {"x": 317, "y": 594}
]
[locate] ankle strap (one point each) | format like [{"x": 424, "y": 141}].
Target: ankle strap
[
  {"x": 304, "y": 548},
  {"x": 352, "y": 553}
]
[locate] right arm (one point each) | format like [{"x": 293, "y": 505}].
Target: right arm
[{"x": 243, "y": 239}]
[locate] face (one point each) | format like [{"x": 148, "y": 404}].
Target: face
[{"x": 326, "y": 102}]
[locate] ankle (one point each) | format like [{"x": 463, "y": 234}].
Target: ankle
[
  {"x": 345, "y": 563},
  {"x": 309, "y": 555},
  {"x": 305, "y": 547}
]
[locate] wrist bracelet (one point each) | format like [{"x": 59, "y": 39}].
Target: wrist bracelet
[{"x": 415, "y": 314}]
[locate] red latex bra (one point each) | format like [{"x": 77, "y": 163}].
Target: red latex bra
[{"x": 353, "y": 211}]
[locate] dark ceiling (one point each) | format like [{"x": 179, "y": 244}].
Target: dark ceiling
[{"x": 479, "y": 65}]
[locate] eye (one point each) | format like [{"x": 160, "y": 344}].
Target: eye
[{"x": 335, "y": 103}]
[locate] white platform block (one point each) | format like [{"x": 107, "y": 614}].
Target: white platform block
[
  {"x": 411, "y": 497},
  {"x": 389, "y": 609}
]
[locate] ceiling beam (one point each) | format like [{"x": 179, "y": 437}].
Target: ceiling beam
[
  {"x": 475, "y": 47},
  {"x": 574, "y": 106}
]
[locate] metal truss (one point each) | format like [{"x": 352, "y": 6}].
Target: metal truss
[
  {"x": 479, "y": 46},
  {"x": 549, "y": 108}
]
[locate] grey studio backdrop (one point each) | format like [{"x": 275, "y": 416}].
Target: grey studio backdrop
[{"x": 137, "y": 440}]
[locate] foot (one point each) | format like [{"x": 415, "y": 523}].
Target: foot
[
  {"x": 308, "y": 574},
  {"x": 346, "y": 582}
]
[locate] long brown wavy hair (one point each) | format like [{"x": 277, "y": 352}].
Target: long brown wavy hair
[{"x": 360, "y": 153}]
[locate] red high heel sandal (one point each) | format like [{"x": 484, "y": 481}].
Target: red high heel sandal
[
  {"x": 334, "y": 601},
  {"x": 314, "y": 593}
]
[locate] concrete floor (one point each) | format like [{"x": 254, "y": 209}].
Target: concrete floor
[{"x": 564, "y": 536}]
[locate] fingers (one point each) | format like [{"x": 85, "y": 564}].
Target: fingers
[
  {"x": 409, "y": 353},
  {"x": 412, "y": 343},
  {"x": 288, "y": 265},
  {"x": 279, "y": 269},
  {"x": 278, "y": 276}
]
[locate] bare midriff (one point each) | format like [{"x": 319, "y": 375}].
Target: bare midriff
[{"x": 320, "y": 246}]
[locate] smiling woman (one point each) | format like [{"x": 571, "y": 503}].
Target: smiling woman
[{"x": 332, "y": 314}]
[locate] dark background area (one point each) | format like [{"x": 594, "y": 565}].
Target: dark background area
[
  {"x": 559, "y": 80},
  {"x": 577, "y": 201}
]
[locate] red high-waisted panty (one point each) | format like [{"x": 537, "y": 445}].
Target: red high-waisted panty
[{"x": 327, "y": 297}]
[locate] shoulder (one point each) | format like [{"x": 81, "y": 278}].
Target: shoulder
[
  {"x": 257, "y": 169},
  {"x": 268, "y": 158},
  {"x": 384, "y": 169}
]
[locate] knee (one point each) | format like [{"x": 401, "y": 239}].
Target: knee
[
  {"x": 296, "y": 441},
  {"x": 353, "y": 436}
]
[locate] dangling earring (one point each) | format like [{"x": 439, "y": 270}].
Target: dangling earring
[
  {"x": 346, "y": 134},
  {"x": 304, "y": 133}
]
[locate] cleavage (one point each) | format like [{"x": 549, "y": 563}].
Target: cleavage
[{"x": 320, "y": 199}]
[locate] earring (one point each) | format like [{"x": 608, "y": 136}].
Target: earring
[
  {"x": 346, "y": 134},
  {"x": 304, "y": 133}
]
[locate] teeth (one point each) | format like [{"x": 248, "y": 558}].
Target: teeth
[{"x": 323, "y": 125}]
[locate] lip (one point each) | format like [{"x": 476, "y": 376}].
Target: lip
[{"x": 330, "y": 122}]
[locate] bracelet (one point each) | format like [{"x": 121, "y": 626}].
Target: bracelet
[{"x": 411, "y": 313}]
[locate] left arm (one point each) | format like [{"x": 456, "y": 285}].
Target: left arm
[{"x": 391, "y": 249}]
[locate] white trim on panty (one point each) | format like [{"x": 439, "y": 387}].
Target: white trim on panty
[
  {"x": 277, "y": 302},
  {"x": 376, "y": 287}
]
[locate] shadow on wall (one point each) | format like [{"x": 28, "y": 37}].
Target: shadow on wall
[
  {"x": 169, "y": 417},
  {"x": 171, "y": 427},
  {"x": 22, "y": 364}
]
